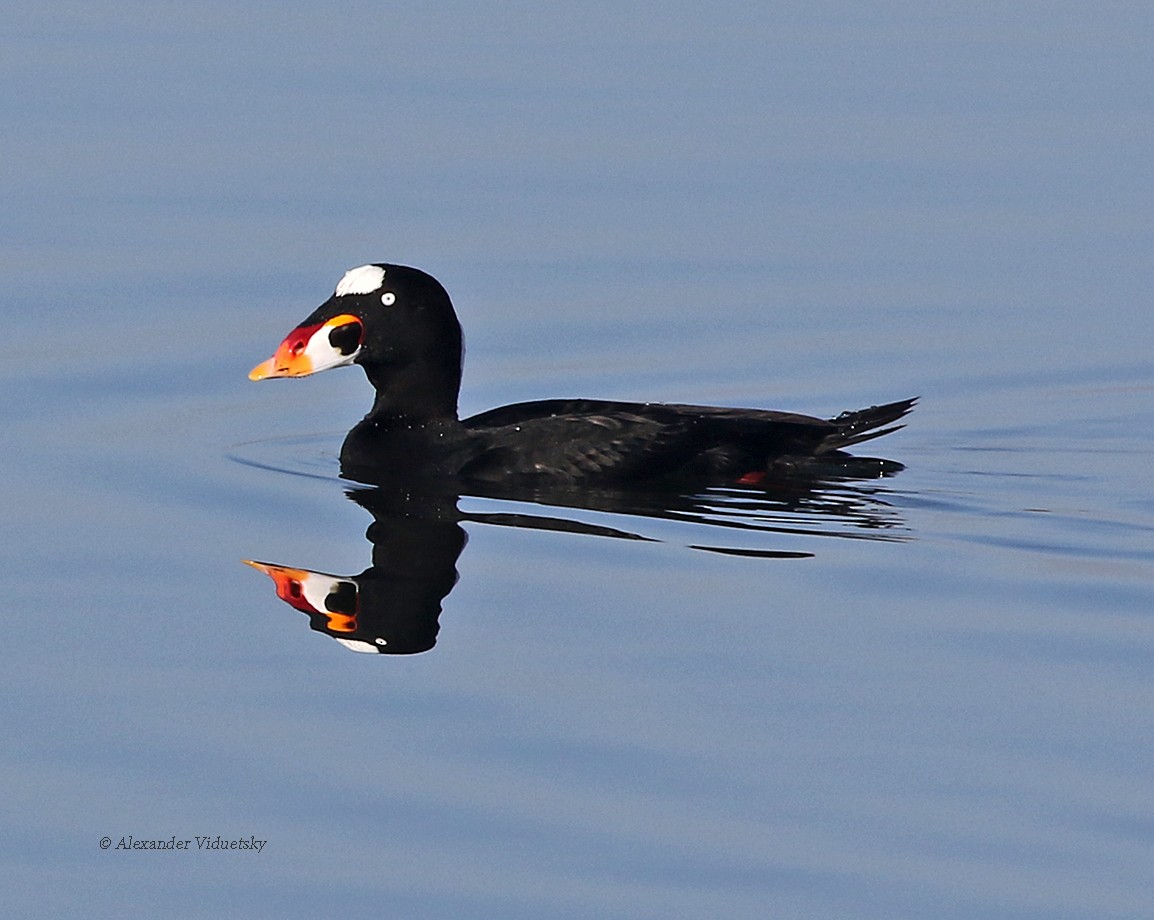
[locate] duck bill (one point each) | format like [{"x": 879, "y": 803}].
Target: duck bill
[
  {"x": 309, "y": 349},
  {"x": 330, "y": 597},
  {"x": 290, "y": 583}
]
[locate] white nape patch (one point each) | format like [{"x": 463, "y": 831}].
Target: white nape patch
[
  {"x": 364, "y": 279},
  {"x": 357, "y": 645}
]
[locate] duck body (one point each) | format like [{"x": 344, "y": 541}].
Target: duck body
[{"x": 399, "y": 325}]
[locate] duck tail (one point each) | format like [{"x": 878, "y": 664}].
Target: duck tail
[{"x": 865, "y": 424}]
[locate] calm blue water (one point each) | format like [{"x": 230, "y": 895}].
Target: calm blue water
[{"x": 927, "y": 696}]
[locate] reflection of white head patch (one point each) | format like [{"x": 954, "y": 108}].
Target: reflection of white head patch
[
  {"x": 361, "y": 280},
  {"x": 357, "y": 645}
]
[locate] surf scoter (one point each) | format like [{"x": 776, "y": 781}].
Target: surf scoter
[{"x": 399, "y": 325}]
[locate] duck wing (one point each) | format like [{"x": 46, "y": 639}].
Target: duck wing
[
  {"x": 581, "y": 438},
  {"x": 578, "y": 439}
]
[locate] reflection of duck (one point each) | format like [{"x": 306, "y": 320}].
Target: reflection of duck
[
  {"x": 393, "y": 606},
  {"x": 399, "y": 325}
]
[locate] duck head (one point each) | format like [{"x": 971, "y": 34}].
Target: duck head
[{"x": 398, "y": 324}]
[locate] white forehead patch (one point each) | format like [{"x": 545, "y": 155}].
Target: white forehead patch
[{"x": 364, "y": 279}]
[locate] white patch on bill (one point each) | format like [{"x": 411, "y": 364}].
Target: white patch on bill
[
  {"x": 364, "y": 279},
  {"x": 316, "y": 587}
]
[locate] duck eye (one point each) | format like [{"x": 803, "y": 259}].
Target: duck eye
[
  {"x": 347, "y": 338},
  {"x": 388, "y": 298}
]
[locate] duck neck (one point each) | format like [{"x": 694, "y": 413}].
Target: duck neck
[{"x": 414, "y": 393}]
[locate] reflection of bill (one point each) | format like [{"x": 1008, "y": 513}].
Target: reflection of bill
[
  {"x": 333, "y": 599},
  {"x": 392, "y": 607}
]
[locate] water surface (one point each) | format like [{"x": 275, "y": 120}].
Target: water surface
[{"x": 806, "y": 207}]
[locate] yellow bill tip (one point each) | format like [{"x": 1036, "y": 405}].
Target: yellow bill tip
[{"x": 263, "y": 370}]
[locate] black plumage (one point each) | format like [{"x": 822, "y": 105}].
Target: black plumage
[{"x": 410, "y": 345}]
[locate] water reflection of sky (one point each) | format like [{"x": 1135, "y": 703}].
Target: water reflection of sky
[{"x": 803, "y": 206}]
